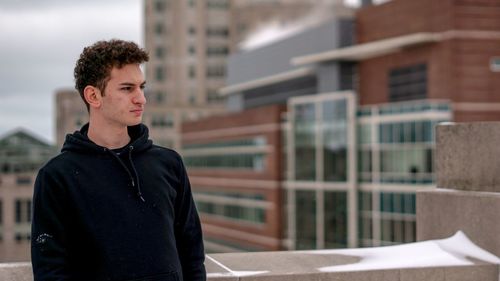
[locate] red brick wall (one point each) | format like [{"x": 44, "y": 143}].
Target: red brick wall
[
  {"x": 475, "y": 116},
  {"x": 458, "y": 69},
  {"x": 373, "y": 73},
  {"x": 256, "y": 116},
  {"x": 272, "y": 173},
  {"x": 401, "y": 17},
  {"x": 473, "y": 79},
  {"x": 476, "y": 14}
]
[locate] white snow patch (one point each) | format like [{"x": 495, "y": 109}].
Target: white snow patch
[
  {"x": 456, "y": 250},
  {"x": 231, "y": 272},
  {"x": 276, "y": 30}
]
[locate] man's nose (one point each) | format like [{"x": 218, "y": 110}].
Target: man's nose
[{"x": 140, "y": 98}]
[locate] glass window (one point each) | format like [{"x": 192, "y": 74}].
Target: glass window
[
  {"x": 495, "y": 64},
  {"x": 364, "y": 165},
  {"x": 305, "y": 142},
  {"x": 386, "y": 230},
  {"x": 159, "y": 28},
  {"x": 160, "y": 52},
  {"x": 364, "y": 134},
  {"x": 22, "y": 210},
  {"x": 305, "y": 219},
  {"x": 216, "y": 71},
  {"x": 160, "y": 73},
  {"x": 408, "y": 83},
  {"x": 160, "y": 97},
  {"x": 410, "y": 231},
  {"x": 192, "y": 71},
  {"x": 217, "y": 203},
  {"x": 192, "y": 50},
  {"x": 23, "y": 180},
  {"x": 386, "y": 202},
  {"x": 334, "y": 128},
  {"x": 335, "y": 219},
  {"x": 18, "y": 211},
  {"x": 160, "y": 5}
]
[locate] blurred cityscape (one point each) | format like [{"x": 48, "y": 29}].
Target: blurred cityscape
[{"x": 303, "y": 124}]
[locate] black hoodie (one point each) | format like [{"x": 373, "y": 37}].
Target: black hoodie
[{"x": 98, "y": 215}]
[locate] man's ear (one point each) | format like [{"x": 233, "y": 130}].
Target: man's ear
[{"x": 92, "y": 96}]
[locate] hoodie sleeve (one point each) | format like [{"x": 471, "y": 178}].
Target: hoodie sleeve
[
  {"x": 188, "y": 232},
  {"x": 48, "y": 244}
]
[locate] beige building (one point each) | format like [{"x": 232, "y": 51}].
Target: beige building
[
  {"x": 189, "y": 42},
  {"x": 21, "y": 155},
  {"x": 71, "y": 114}
]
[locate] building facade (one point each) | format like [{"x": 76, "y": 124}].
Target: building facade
[
  {"x": 71, "y": 114},
  {"x": 234, "y": 164},
  {"x": 358, "y": 133},
  {"x": 189, "y": 42},
  {"x": 439, "y": 68},
  {"x": 257, "y": 100},
  {"x": 21, "y": 155}
]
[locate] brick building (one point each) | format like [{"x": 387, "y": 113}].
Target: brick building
[
  {"x": 21, "y": 155},
  {"x": 235, "y": 164},
  {"x": 360, "y": 138}
]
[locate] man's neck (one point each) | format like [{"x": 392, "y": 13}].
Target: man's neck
[{"x": 111, "y": 137}]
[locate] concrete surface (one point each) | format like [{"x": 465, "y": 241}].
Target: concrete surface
[
  {"x": 441, "y": 213},
  {"x": 468, "y": 156},
  {"x": 294, "y": 266}
]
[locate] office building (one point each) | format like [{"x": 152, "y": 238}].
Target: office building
[
  {"x": 359, "y": 127},
  {"x": 234, "y": 163},
  {"x": 21, "y": 155},
  {"x": 189, "y": 42},
  {"x": 243, "y": 153},
  {"x": 71, "y": 114}
]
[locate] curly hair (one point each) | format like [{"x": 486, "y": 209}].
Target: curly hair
[{"x": 96, "y": 61}]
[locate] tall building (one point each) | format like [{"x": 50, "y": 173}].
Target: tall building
[
  {"x": 359, "y": 128},
  {"x": 71, "y": 113},
  {"x": 21, "y": 155},
  {"x": 441, "y": 67},
  {"x": 189, "y": 42},
  {"x": 237, "y": 161}
]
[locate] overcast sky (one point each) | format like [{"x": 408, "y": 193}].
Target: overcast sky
[{"x": 40, "y": 43}]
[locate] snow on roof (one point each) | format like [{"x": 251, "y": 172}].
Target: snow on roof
[{"x": 457, "y": 250}]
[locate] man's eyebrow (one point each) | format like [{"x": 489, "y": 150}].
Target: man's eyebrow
[{"x": 131, "y": 84}]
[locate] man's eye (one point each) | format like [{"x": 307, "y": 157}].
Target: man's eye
[{"x": 127, "y": 88}]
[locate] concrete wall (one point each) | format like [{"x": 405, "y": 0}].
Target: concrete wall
[
  {"x": 468, "y": 181},
  {"x": 288, "y": 266}
]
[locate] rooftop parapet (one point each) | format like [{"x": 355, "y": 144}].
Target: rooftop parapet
[{"x": 453, "y": 258}]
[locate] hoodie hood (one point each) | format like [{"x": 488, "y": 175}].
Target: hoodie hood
[{"x": 79, "y": 141}]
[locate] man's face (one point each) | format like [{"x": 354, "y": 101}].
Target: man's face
[{"x": 123, "y": 101}]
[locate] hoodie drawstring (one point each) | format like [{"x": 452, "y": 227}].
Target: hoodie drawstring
[
  {"x": 139, "y": 193},
  {"x": 132, "y": 181}
]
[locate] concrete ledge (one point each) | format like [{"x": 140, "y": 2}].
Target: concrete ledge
[
  {"x": 482, "y": 272},
  {"x": 442, "y": 212},
  {"x": 16, "y": 271},
  {"x": 468, "y": 156}
]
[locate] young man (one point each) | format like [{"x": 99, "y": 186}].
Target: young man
[{"x": 112, "y": 205}]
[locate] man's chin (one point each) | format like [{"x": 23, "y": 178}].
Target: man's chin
[{"x": 134, "y": 123}]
